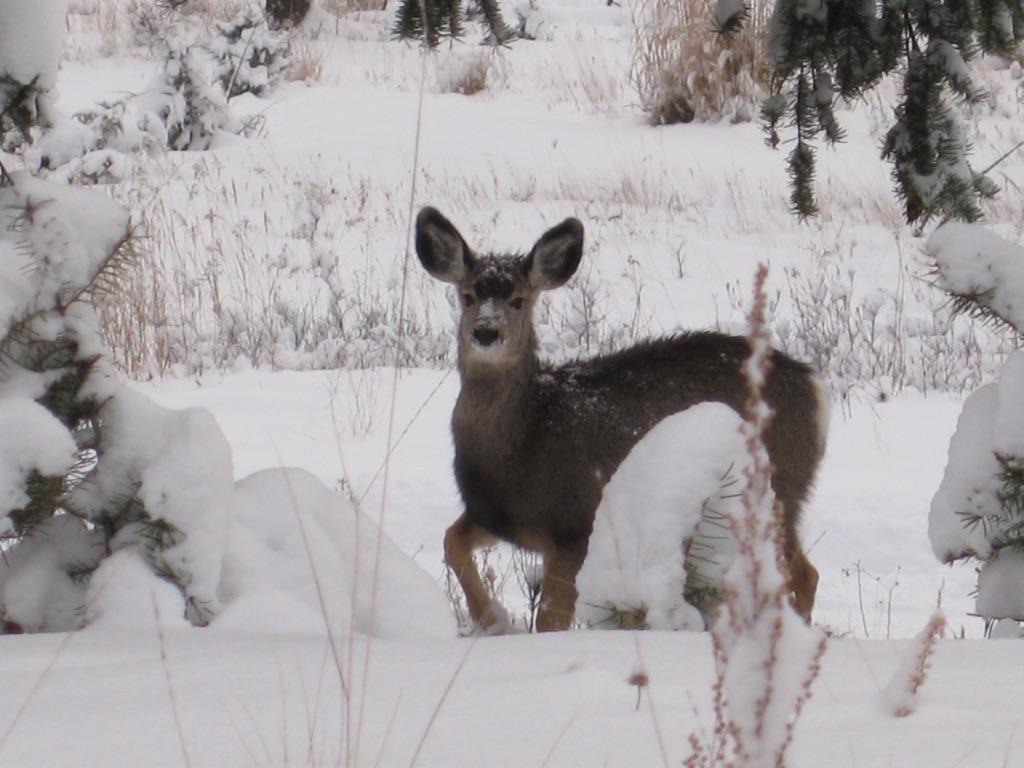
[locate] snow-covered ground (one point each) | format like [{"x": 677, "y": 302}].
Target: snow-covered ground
[{"x": 677, "y": 219}]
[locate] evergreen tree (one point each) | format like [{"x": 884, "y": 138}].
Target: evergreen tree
[
  {"x": 822, "y": 50},
  {"x": 31, "y": 32},
  {"x": 445, "y": 18},
  {"x": 978, "y": 511},
  {"x": 88, "y": 468},
  {"x": 286, "y": 13}
]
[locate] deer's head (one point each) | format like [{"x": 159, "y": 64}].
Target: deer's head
[{"x": 497, "y": 291}]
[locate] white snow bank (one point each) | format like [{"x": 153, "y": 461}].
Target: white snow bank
[
  {"x": 972, "y": 260},
  {"x": 297, "y": 551},
  {"x": 650, "y": 508}
]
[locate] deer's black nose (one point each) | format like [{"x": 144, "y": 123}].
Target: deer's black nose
[{"x": 485, "y": 336}]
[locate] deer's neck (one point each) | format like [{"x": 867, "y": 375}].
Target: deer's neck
[{"x": 494, "y": 404}]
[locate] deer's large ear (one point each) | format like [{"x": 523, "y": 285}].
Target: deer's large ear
[
  {"x": 440, "y": 247},
  {"x": 556, "y": 255}
]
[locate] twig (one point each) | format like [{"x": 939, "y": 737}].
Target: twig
[
  {"x": 175, "y": 709},
  {"x": 440, "y": 702},
  {"x": 394, "y": 398},
  {"x": 1002, "y": 157},
  {"x": 561, "y": 735}
]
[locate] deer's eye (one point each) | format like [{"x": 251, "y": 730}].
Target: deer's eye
[
  {"x": 468, "y": 299},
  {"x": 517, "y": 303}
]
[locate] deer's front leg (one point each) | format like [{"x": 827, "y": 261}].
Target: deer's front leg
[{"x": 460, "y": 541}]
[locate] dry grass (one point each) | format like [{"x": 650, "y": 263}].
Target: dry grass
[
  {"x": 107, "y": 28},
  {"x": 343, "y": 7},
  {"x": 306, "y": 62},
  {"x": 591, "y": 81},
  {"x": 683, "y": 70},
  {"x": 466, "y": 73}
]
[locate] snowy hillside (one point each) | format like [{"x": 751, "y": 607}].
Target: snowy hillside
[{"x": 277, "y": 290}]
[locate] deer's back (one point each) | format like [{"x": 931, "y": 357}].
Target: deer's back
[{"x": 539, "y": 469}]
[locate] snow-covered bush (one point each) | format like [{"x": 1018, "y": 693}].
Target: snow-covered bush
[
  {"x": 183, "y": 108},
  {"x": 657, "y": 564},
  {"x": 109, "y": 502},
  {"x": 978, "y": 510},
  {"x": 88, "y": 467},
  {"x": 31, "y": 33},
  {"x": 96, "y": 146},
  {"x": 287, "y": 13},
  {"x": 187, "y": 98},
  {"x": 250, "y": 57}
]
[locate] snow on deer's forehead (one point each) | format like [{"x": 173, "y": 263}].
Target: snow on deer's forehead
[{"x": 497, "y": 275}]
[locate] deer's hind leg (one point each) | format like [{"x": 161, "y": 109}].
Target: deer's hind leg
[
  {"x": 558, "y": 591},
  {"x": 803, "y": 583},
  {"x": 801, "y": 576},
  {"x": 460, "y": 541}
]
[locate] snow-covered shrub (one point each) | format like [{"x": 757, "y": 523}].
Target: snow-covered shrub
[
  {"x": 250, "y": 57},
  {"x": 89, "y": 468},
  {"x": 102, "y": 492},
  {"x": 683, "y": 71},
  {"x": 183, "y": 108},
  {"x": 31, "y": 33},
  {"x": 645, "y": 559},
  {"x": 464, "y": 73},
  {"x": 978, "y": 510},
  {"x": 96, "y": 146},
  {"x": 187, "y": 98},
  {"x": 287, "y": 13}
]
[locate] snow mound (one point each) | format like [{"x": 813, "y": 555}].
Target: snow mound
[
  {"x": 125, "y": 593},
  {"x": 298, "y": 552},
  {"x": 668, "y": 491}
]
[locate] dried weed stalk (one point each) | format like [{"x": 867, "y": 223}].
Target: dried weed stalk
[
  {"x": 901, "y": 694},
  {"x": 766, "y": 657}
]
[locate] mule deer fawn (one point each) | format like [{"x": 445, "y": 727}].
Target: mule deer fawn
[{"x": 535, "y": 443}]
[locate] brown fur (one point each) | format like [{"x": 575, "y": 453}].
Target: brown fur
[{"x": 535, "y": 444}]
